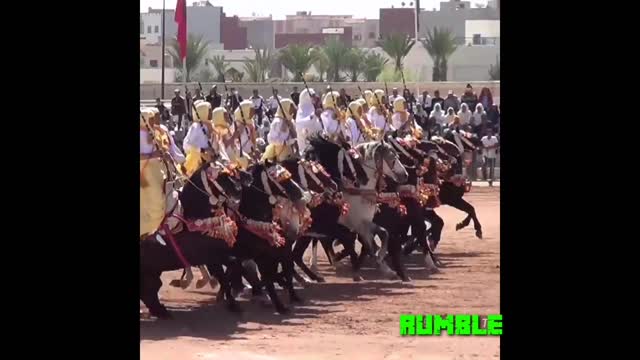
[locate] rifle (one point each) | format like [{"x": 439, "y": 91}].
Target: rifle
[
  {"x": 309, "y": 92},
  {"x": 289, "y": 124},
  {"x": 410, "y": 108},
  {"x": 159, "y": 148},
  {"x": 386, "y": 91}
]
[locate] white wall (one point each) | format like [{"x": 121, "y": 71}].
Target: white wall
[
  {"x": 468, "y": 63},
  {"x": 486, "y": 28},
  {"x": 151, "y": 20},
  {"x": 154, "y": 75}
]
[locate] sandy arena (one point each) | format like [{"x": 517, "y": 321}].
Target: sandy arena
[{"x": 341, "y": 319}]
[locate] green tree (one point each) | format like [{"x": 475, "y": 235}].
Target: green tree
[
  {"x": 235, "y": 75},
  {"x": 297, "y": 59},
  {"x": 397, "y": 46},
  {"x": 252, "y": 69},
  {"x": 374, "y": 65},
  {"x": 321, "y": 64},
  {"x": 356, "y": 63},
  {"x": 338, "y": 55},
  {"x": 197, "y": 49},
  {"x": 440, "y": 44},
  {"x": 494, "y": 70},
  {"x": 220, "y": 66},
  {"x": 259, "y": 67}
]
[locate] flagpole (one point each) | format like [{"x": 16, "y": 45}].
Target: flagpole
[{"x": 162, "y": 80}]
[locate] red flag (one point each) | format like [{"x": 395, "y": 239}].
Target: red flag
[{"x": 181, "y": 19}]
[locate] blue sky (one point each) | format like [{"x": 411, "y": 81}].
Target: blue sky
[{"x": 361, "y": 8}]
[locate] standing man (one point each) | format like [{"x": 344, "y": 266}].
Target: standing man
[
  {"x": 344, "y": 97},
  {"x": 393, "y": 96},
  {"x": 469, "y": 97},
  {"x": 273, "y": 103},
  {"x": 490, "y": 145},
  {"x": 258, "y": 105},
  {"x": 452, "y": 101},
  {"x": 437, "y": 100},
  {"x": 295, "y": 96},
  {"x": 198, "y": 95},
  {"x": 164, "y": 112},
  {"x": 178, "y": 108},
  {"x": 234, "y": 99},
  {"x": 214, "y": 98}
]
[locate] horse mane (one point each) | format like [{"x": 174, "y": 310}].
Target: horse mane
[{"x": 195, "y": 204}]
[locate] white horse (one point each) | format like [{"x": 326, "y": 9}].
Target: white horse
[{"x": 377, "y": 159}]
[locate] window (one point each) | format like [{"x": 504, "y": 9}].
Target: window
[
  {"x": 148, "y": 29},
  {"x": 157, "y": 29},
  {"x": 357, "y": 37},
  {"x": 372, "y": 35},
  {"x": 477, "y": 39},
  {"x": 153, "y": 63}
]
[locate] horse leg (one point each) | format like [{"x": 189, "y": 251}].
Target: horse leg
[
  {"x": 288, "y": 270},
  {"x": 298, "y": 251},
  {"x": 150, "y": 284},
  {"x": 225, "y": 286},
  {"x": 268, "y": 269},
  {"x": 249, "y": 270},
  {"x": 382, "y": 233},
  {"x": 462, "y": 205},
  {"x": 314, "y": 255},
  {"x": 205, "y": 278}
]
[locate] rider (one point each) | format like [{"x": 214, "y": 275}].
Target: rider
[
  {"x": 282, "y": 135},
  {"x": 307, "y": 123},
  {"x": 202, "y": 133},
  {"x": 245, "y": 131},
  {"x": 356, "y": 127},
  {"x": 402, "y": 120},
  {"x": 332, "y": 118},
  {"x": 378, "y": 114},
  {"x": 157, "y": 153}
]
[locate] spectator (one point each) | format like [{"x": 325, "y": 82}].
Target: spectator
[
  {"x": 273, "y": 103},
  {"x": 437, "y": 99},
  {"x": 393, "y": 96},
  {"x": 198, "y": 95},
  {"x": 164, "y": 112},
  {"x": 469, "y": 97},
  {"x": 264, "y": 130},
  {"x": 438, "y": 115},
  {"x": 177, "y": 108},
  {"x": 410, "y": 99},
  {"x": 490, "y": 145},
  {"x": 425, "y": 102},
  {"x": 476, "y": 119},
  {"x": 464, "y": 114},
  {"x": 258, "y": 105},
  {"x": 485, "y": 98},
  {"x": 494, "y": 117},
  {"x": 295, "y": 96},
  {"x": 234, "y": 99},
  {"x": 342, "y": 98},
  {"x": 452, "y": 101},
  {"x": 214, "y": 98},
  {"x": 450, "y": 116},
  {"x": 189, "y": 104}
]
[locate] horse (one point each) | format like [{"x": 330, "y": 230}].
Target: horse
[
  {"x": 326, "y": 206},
  {"x": 202, "y": 236},
  {"x": 264, "y": 234},
  {"x": 450, "y": 192}
]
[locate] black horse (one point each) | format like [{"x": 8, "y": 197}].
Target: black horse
[
  {"x": 325, "y": 205},
  {"x": 208, "y": 190},
  {"x": 260, "y": 240},
  {"x": 451, "y": 192}
]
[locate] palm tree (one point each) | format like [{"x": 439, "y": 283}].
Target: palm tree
[
  {"x": 258, "y": 68},
  {"x": 355, "y": 64},
  {"x": 397, "y": 46},
  {"x": 297, "y": 59},
  {"x": 440, "y": 44},
  {"x": 337, "y": 54},
  {"x": 494, "y": 71},
  {"x": 220, "y": 65},
  {"x": 321, "y": 64},
  {"x": 252, "y": 69},
  {"x": 197, "y": 49},
  {"x": 374, "y": 65}
]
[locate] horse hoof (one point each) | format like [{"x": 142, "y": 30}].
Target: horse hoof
[
  {"x": 357, "y": 278},
  {"x": 162, "y": 314},
  {"x": 314, "y": 269},
  {"x": 175, "y": 283},
  {"x": 459, "y": 226},
  {"x": 297, "y": 299},
  {"x": 283, "y": 310},
  {"x": 392, "y": 277},
  {"x": 479, "y": 234},
  {"x": 184, "y": 284},
  {"x": 405, "y": 278},
  {"x": 321, "y": 279}
]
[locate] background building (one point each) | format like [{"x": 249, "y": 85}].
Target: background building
[
  {"x": 453, "y": 15},
  {"x": 260, "y": 32},
  {"x": 398, "y": 20}
]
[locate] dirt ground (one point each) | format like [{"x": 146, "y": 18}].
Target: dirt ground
[{"x": 341, "y": 319}]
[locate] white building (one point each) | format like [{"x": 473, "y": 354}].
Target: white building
[{"x": 151, "y": 26}]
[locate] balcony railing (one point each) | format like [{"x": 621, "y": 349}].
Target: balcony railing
[{"x": 478, "y": 41}]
